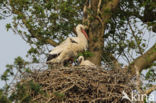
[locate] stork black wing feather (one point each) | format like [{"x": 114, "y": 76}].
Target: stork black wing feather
[
  {"x": 73, "y": 41},
  {"x": 52, "y": 56}
]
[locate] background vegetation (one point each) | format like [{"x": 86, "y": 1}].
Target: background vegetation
[{"x": 120, "y": 33}]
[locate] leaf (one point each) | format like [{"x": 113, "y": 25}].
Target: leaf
[{"x": 8, "y": 26}]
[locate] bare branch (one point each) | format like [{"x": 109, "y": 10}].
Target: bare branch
[
  {"x": 99, "y": 5},
  {"x": 100, "y": 20},
  {"x": 133, "y": 33},
  {"x": 144, "y": 61},
  {"x": 85, "y": 15},
  {"x": 114, "y": 61},
  {"x": 151, "y": 89},
  {"x": 138, "y": 80},
  {"x": 33, "y": 33}
]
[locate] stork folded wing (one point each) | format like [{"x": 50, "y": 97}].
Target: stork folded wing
[
  {"x": 69, "y": 47},
  {"x": 73, "y": 41},
  {"x": 51, "y": 56}
]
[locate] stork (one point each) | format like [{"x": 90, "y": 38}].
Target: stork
[
  {"x": 70, "y": 47},
  {"x": 87, "y": 63}
]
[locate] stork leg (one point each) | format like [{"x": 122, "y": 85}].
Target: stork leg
[{"x": 65, "y": 56}]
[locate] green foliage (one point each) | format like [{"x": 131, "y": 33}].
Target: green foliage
[
  {"x": 145, "y": 101},
  {"x": 19, "y": 61},
  {"x": 35, "y": 87},
  {"x": 48, "y": 10},
  {"x": 32, "y": 50},
  {"x": 38, "y": 20},
  {"x": 3, "y": 97},
  {"x": 85, "y": 54},
  {"x": 59, "y": 95},
  {"x": 1, "y": 17},
  {"x": 55, "y": 19},
  {"x": 150, "y": 75},
  {"x": 8, "y": 26},
  {"x": 8, "y": 72},
  {"x": 12, "y": 70},
  {"x": 24, "y": 91}
]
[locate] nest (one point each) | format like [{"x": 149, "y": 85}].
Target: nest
[{"x": 78, "y": 85}]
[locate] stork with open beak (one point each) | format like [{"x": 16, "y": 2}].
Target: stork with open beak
[
  {"x": 70, "y": 47},
  {"x": 87, "y": 63}
]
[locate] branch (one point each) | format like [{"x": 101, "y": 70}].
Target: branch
[
  {"x": 148, "y": 91},
  {"x": 99, "y": 5},
  {"x": 39, "y": 37},
  {"x": 138, "y": 82},
  {"x": 143, "y": 61},
  {"x": 135, "y": 37},
  {"x": 33, "y": 33},
  {"x": 149, "y": 14},
  {"x": 115, "y": 62},
  {"x": 85, "y": 14},
  {"x": 110, "y": 6},
  {"x": 100, "y": 20}
]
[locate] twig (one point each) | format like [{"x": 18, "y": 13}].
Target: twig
[
  {"x": 98, "y": 17},
  {"x": 148, "y": 91},
  {"x": 98, "y": 9},
  {"x": 133, "y": 33}
]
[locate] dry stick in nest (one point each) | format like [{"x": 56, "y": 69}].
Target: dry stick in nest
[{"x": 76, "y": 83}]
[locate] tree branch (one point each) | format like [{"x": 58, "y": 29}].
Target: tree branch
[
  {"x": 99, "y": 5},
  {"x": 112, "y": 4},
  {"x": 148, "y": 91},
  {"x": 86, "y": 15},
  {"x": 144, "y": 60},
  {"x": 33, "y": 33},
  {"x": 115, "y": 62},
  {"x": 84, "y": 12},
  {"x": 138, "y": 82},
  {"x": 135, "y": 37}
]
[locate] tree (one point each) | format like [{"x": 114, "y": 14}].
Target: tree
[{"x": 117, "y": 29}]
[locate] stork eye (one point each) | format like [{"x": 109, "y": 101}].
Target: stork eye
[{"x": 80, "y": 60}]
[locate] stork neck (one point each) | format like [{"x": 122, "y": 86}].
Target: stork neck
[{"x": 82, "y": 59}]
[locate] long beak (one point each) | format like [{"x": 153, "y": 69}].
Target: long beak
[{"x": 85, "y": 34}]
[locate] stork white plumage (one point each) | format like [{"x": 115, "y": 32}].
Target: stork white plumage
[
  {"x": 87, "y": 63},
  {"x": 70, "y": 47}
]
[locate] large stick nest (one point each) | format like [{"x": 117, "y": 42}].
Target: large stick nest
[{"x": 78, "y": 85}]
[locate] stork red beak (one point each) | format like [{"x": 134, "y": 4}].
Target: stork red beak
[{"x": 85, "y": 34}]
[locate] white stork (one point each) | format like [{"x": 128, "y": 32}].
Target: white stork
[
  {"x": 87, "y": 63},
  {"x": 70, "y": 47}
]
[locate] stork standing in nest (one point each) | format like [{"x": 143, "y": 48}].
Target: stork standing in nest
[
  {"x": 70, "y": 47},
  {"x": 87, "y": 63}
]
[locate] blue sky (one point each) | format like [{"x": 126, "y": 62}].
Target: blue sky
[{"x": 11, "y": 46}]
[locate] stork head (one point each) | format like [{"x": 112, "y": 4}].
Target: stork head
[
  {"x": 80, "y": 59},
  {"x": 81, "y": 28}
]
